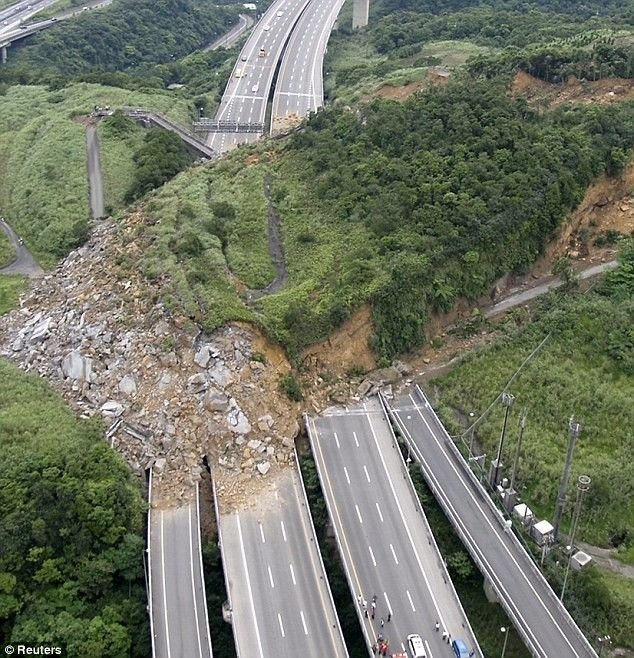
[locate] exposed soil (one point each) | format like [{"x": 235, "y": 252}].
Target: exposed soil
[{"x": 548, "y": 95}]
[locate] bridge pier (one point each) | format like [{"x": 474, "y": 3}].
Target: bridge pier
[
  {"x": 360, "y": 10},
  {"x": 3, "y": 55}
]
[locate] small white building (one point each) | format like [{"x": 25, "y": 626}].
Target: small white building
[
  {"x": 580, "y": 560},
  {"x": 523, "y": 513},
  {"x": 542, "y": 532}
]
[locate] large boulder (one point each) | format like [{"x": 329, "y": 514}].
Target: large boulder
[{"x": 78, "y": 367}]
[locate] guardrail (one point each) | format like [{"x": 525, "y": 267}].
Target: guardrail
[
  {"x": 430, "y": 534},
  {"x": 149, "y": 564},
  {"x": 212, "y": 126},
  {"x": 459, "y": 459},
  {"x": 508, "y": 604}
]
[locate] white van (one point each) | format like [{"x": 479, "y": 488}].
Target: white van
[
  {"x": 254, "y": 89},
  {"x": 416, "y": 646}
]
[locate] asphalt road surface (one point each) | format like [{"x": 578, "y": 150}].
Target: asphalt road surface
[
  {"x": 281, "y": 603},
  {"x": 14, "y": 15},
  {"x": 384, "y": 540},
  {"x": 94, "y": 174},
  {"x": 246, "y": 95},
  {"x": 227, "y": 40},
  {"x": 299, "y": 87},
  {"x": 24, "y": 262},
  {"x": 524, "y": 296},
  {"x": 539, "y": 617},
  {"x": 178, "y": 605}
]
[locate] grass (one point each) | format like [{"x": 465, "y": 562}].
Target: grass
[
  {"x": 453, "y": 53},
  {"x": 43, "y": 181},
  {"x": 7, "y": 250},
  {"x": 11, "y": 287},
  {"x": 581, "y": 371}
]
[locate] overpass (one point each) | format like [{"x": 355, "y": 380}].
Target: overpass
[
  {"x": 206, "y": 126},
  {"x": 540, "y": 618},
  {"x": 177, "y": 601},
  {"x": 150, "y": 118}
]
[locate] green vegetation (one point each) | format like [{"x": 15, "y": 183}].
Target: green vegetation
[
  {"x": 7, "y": 250},
  {"x": 11, "y": 287},
  {"x": 407, "y": 206},
  {"x": 71, "y": 522},
  {"x": 125, "y": 35},
  {"x": 220, "y": 630},
  {"x": 585, "y": 369},
  {"x": 291, "y": 388},
  {"x": 160, "y": 158},
  {"x": 43, "y": 178}
]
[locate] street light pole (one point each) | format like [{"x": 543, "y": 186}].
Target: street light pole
[
  {"x": 507, "y": 401},
  {"x": 574, "y": 429},
  {"x": 505, "y": 630},
  {"x": 583, "y": 484}
]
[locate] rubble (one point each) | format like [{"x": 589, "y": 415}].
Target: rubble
[{"x": 168, "y": 394}]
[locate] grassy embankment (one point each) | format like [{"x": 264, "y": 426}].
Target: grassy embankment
[
  {"x": 7, "y": 250},
  {"x": 585, "y": 369},
  {"x": 43, "y": 179}
]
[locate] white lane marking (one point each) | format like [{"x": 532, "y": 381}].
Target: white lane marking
[
  {"x": 402, "y": 515},
  {"x": 389, "y": 605},
  {"x": 494, "y": 529},
  {"x": 167, "y": 627},
  {"x": 337, "y": 440},
  {"x": 249, "y": 590},
  {"x": 358, "y": 513},
  {"x": 373, "y": 560},
  {"x": 367, "y": 475},
  {"x": 292, "y": 574},
  {"x": 356, "y": 440},
  {"x": 271, "y": 576},
  {"x": 378, "y": 509},
  {"x": 409, "y": 596},
  {"x": 191, "y": 563},
  {"x": 393, "y": 554},
  {"x": 301, "y": 614},
  {"x": 345, "y": 470},
  {"x": 427, "y": 647},
  {"x": 279, "y": 619},
  {"x": 262, "y": 533},
  {"x": 283, "y": 530}
]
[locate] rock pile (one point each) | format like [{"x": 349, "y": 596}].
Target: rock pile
[{"x": 168, "y": 394}]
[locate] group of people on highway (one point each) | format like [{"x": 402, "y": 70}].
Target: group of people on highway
[{"x": 381, "y": 646}]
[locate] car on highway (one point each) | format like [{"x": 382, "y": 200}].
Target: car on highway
[
  {"x": 266, "y": 28},
  {"x": 416, "y": 646},
  {"x": 279, "y": 14},
  {"x": 254, "y": 89},
  {"x": 460, "y": 649},
  {"x": 244, "y": 58}
]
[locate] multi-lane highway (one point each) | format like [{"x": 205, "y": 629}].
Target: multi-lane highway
[
  {"x": 279, "y": 595},
  {"x": 538, "y": 615},
  {"x": 385, "y": 542},
  {"x": 178, "y": 607},
  {"x": 299, "y": 85},
  {"x": 13, "y": 16},
  {"x": 247, "y": 92}
]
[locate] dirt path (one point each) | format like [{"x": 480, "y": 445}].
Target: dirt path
[
  {"x": 275, "y": 250},
  {"x": 24, "y": 262}
]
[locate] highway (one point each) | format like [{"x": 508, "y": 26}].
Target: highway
[
  {"x": 227, "y": 40},
  {"x": 384, "y": 540},
  {"x": 246, "y": 95},
  {"x": 178, "y": 607},
  {"x": 278, "y": 592},
  {"x": 13, "y": 16},
  {"x": 539, "y": 617},
  {"x": 299, "y": 87}
]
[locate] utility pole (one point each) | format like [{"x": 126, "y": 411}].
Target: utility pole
[
  {"x": 516, "y": 460},
  {"x": 583, "y": 484},
  {"x": 507, "y": 401},
  {"x": 574, "y": 429}
]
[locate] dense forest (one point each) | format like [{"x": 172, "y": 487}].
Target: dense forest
[
  {"x": 71, "y": 529},
  {"x": 454, "y": 187},
  {"x": 127, "y": 35}
]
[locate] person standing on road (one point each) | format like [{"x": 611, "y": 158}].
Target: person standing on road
[
  {"x": 437, "y": 626},
  {"x": 382, "y": 622},
  {"x": 389, "y": 616}
]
